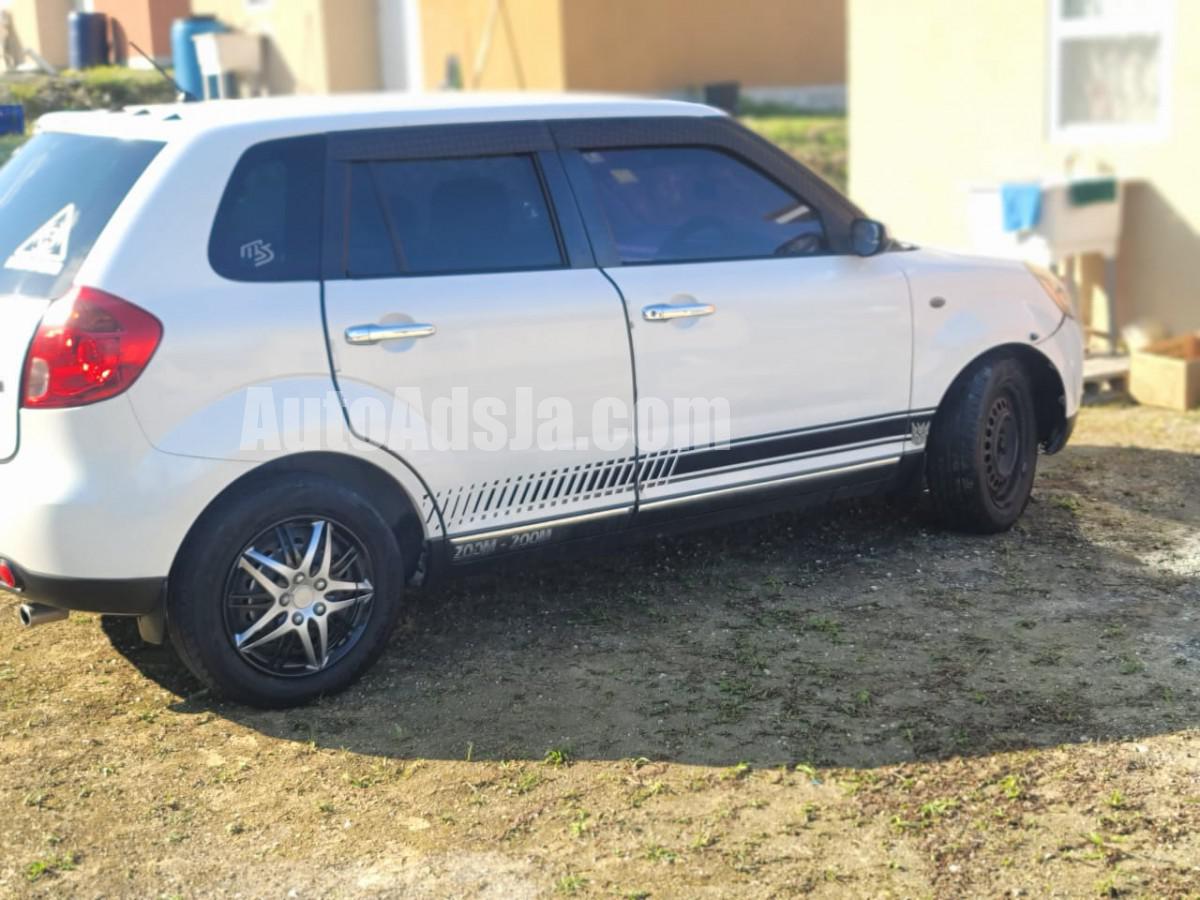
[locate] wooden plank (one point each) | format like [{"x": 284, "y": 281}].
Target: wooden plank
[{"x": 1113, "y": 367}]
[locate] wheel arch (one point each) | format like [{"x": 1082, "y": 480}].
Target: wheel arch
[
  {"x": 383, "y": 490},
  {"x": 1049, "y": 390}
]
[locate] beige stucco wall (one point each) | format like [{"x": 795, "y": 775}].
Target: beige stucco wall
[
  {"x": 146, "y": 23},
  {"x": 615, "y": 45},
  {"x": 352, "y": 45},
  {"x": 42, "y": 26},
  {"x": 524, "y": 52},
  {"x": 636, "y": 45},
  {"x": 666, "y": 45},
  {"x": 312, "y": 46},
  {"x": 943, "y": 94}
]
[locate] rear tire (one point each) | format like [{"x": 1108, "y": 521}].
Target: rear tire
[
  {"x": 288, "y": 590},
  {"x": 982, "y": 454}
]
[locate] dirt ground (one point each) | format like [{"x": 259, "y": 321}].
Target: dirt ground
[{"x": 848, "y": 704}]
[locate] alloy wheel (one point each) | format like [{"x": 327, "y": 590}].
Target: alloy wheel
[{"x": 297, "y": 599}]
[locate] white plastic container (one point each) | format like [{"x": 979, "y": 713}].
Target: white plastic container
[
  {"x": 1063, "y": 231},
  {"x": 228, "y": 53}
]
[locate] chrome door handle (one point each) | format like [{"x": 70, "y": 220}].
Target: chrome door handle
[
  {"x": 363, "y": 335},
  {"x": 665, "y": 312}
]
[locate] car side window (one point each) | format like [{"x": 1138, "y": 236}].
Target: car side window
[
  {"x": 689, "y": 204},
  {"x": 268, "y": 226},
  {"x": 449, "y": 216}
]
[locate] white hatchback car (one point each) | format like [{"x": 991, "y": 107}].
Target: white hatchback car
[{"x": 264, "y": 364}]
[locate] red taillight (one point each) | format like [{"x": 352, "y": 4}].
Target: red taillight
[
  {"x": 7, "y": 578},
  {"x": 89, "y": 347}
]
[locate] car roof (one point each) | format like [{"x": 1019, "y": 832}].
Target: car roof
[{"x": 338, "y": 112}]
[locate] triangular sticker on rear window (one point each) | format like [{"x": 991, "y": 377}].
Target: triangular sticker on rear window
[{"x": 45, "y": 251}]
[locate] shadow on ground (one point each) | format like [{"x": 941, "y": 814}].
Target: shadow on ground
[{"x": 859, "y": 637}]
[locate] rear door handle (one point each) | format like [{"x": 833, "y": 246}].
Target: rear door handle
[
  {"x": 364, "y": 335},
  {"x": 665, "y": 312}
]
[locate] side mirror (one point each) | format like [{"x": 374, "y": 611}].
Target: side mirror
[{"x": 867, "y": 237}]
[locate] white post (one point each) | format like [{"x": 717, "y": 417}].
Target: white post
[{"x": 400, "y": 51}]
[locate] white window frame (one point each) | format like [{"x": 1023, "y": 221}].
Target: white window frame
[{"x": 1157, "y": 20}]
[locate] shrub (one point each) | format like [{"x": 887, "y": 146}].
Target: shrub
[
  {"x": 104, "y": 88},
  {"x": 818, "y": 141}
]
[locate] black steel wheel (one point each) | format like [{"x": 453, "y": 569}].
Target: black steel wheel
[
  {"x": 982, "y": 449},
  {"x": 1004, "y": 459}
]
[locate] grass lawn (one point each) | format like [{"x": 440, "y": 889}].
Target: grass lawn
[
  {"x": 108, "y": 87},
  {"x": 850, "y": 704}
]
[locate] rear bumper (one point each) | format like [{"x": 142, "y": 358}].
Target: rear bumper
[
  {"x": 118, "y": 597},
  {"x": 88, "y": 500}
]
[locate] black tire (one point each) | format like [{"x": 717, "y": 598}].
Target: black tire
[
  {"x": 211, "y": 595},
  {"x": 982, "y": 454},
  {"x": 907, "y": 495}
]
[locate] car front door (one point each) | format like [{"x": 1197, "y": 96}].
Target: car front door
[
  {"x": 461, "y": 293},
  {"x": 739, "y": 308}
]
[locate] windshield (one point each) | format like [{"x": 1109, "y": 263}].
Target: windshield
[{"x": 56, "y": 195}]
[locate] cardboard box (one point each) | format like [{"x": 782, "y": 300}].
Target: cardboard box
[{"x": 1167, "y": 373}]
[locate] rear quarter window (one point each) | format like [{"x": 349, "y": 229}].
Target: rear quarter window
[
  {"x": 57, "y": 194},
  {"x": 268, "y": 226}
]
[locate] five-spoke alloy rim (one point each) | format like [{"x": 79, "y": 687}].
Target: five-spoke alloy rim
[{"x": 297, "y": 599}]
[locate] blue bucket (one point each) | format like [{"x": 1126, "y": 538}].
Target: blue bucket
[{"x": 187, "y": 65}]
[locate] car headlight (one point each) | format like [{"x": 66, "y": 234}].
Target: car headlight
[{"x": 1054, "y": 289}]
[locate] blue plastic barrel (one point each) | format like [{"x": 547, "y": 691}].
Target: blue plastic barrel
[
  {"x": 87, "y": 40},
  {"x": 187, "y": 66}
]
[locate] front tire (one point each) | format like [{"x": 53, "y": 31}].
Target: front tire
[
  {"x": 982, "y": 454},
  {"x": 287, "y": 591}
]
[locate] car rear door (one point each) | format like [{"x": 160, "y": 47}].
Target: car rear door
[
  {"x": 461, "y": 293},
  {"x": 740, "y": 306}
]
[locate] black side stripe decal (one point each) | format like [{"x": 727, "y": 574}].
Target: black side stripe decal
[
  {"x": 897, "y": 428},
  {"x": 785, "y": 459},
  {"x": 475, "y": 505}
]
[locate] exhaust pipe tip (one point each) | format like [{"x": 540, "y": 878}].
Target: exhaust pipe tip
[{"x": 34, "y": 614}]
